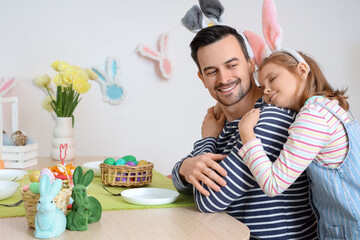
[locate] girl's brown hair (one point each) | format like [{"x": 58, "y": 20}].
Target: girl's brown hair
[{"x": 316, "y": 83}]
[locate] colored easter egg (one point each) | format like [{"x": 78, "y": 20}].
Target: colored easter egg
[
  {"x": 48, "y": 172},
  {"x": 25, "y": 188},
  {"x": 2, "y": 165},
  {"x": 124, "y": 179},
  {"x": 142, "y": 162},
  {"x": 109, "y": 161},
  {"x": 129, "y": 158},
  {"x": 35, "y": 176},
  {"x": 34, "y": 187},
  {"x": 118, "y": 178},
  {"x": 130, "y": 163},
  {"x": 120, "y": 162}
]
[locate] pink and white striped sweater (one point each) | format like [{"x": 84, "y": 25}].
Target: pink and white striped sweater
[{"x": 316, "y": 135}]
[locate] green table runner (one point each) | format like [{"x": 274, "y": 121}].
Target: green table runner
[{"x": 108, "y": 201}]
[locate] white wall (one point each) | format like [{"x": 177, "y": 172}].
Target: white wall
[{"x": 158, "y": 120}]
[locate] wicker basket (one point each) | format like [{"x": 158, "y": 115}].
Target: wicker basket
[
  {"x": 126, "y": 176},
  {"x": 31, "y": 200}
]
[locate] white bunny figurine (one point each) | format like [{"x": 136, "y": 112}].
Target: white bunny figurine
[{"x": 50, "y": 221}]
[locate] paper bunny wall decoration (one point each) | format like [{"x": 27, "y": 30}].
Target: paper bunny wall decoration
[
  {"x": 161, "y": 56},
  {"x": 6, "y": 84},
  {"x": 109, "y": 80},
  {"x": 272, "y": 34}
]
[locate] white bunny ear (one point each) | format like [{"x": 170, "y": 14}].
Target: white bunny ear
[
  {"x": 271, "y": 29},
  {"x": 258, "y": 46}
]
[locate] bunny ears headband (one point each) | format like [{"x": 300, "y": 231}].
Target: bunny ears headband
[
  {"x": 273, "y": 35},
  {"x": 258, "y": 49},
  {"x": 210, "y": 13}
]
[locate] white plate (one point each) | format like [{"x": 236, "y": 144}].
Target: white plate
[
  {"x": 94, "y": 166},
  {"x": 149, "y": 196},
  {"x": 10, "y": 174},
  {"x": 7, "y": 189}
]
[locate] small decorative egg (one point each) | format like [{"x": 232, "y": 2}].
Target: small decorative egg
[
  {"x": 124, "y": 179},
  {"x": 19, "y": 138},
  {"x": 34, "y": 187},
  {"x": 25, "y": 188},
  {"x": 129, "y": 158},
  {"x": 35, "y": 176},
  {"x": 120, "y": 162},
  {"x": 118, "y": 178},
  {"x": 48, "y": 172},
  {"x": 2, "y": 165},
  {"x": 6, "y": 139},
  {"x": 130, "y": 163},
  {"x": 142, "y": 162},
  {"x": 109, "y": 161}
]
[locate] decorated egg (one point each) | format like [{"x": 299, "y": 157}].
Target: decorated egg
[
  {"x": 142, "y": 162},
  {"x": 124, "y": 179},
  {"x": 109, "y": 161},
  {"x": 25, "y": 188},
  {"x": 118, "y": 178},
  {"x": 18, "y": 138},
  {"x": 120, "y": 162},
  {"x": 35, "y": 176},
  {"x": 2, "y": 165},
  {"x": 129, "y": 158},
  {"x": 34, "y": 187},
  {"x": 48, "y": 172},
  {"x": 130, "y": 163}
]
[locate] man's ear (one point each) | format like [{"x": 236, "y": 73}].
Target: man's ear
[
  {"x": 251, "y": 64},
  {"x": 201, "y": 77},
  {"x": 303, "y": 70}
]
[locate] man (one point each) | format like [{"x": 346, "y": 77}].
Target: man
[{"x": 224, "y": 183}]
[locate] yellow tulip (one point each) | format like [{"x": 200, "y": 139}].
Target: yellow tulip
[
  {"x": 81, "y": 86},
  {"x": 92, "y": 75},
  {"x": 42, "y": 81},
  {"x": 46, "y": 104},
  {"x": 59, "y": 65}
]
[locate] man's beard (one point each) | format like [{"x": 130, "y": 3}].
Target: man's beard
[{"x": 242, "y": 93}]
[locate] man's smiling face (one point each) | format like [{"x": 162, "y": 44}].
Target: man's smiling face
[{"x": 225, "y": 71}]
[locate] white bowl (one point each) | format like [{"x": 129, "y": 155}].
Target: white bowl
[
  {"x": 7, "y": 189},
  {"x": 94, "y": 166},
  {"x": 12, "y": 174}
]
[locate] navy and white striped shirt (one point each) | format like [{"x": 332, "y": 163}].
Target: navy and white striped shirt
[{"x": 286, "y": 216}]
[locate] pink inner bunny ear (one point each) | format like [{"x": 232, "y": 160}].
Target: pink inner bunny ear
[
  {"x": 163, "y": 43},
  {"x": 257, "y": 45},
  {"x": 147, "y": 52},
  {"x": 271, "y": 29}
]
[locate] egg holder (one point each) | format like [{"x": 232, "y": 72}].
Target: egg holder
[
  {"x": 126, "y": 176},
  {"x": 31, "y": 200},
  {"x": 16, "y": 156}
]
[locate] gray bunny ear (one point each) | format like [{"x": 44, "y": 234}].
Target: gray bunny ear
[
  {"x": 193, "y": 19},
  {"x": 212, "y": 9}
]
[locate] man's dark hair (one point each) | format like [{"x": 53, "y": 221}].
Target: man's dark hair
[{"x": 213, "y": 34}]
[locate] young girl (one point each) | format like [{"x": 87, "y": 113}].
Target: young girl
[{"x": 322, "y": 140}]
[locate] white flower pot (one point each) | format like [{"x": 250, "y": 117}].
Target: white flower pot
[{"x": 63, "y": 144}]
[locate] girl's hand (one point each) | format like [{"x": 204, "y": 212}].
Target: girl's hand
[
  {"x": 247, "y": 124},
  {"x": 212, "y": 126}
]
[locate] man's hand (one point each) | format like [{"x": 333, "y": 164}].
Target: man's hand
[
  {"x": 247, "y": 124},
  {"x": 203, "y": 168},
  {"x": 212, "y": 125}
]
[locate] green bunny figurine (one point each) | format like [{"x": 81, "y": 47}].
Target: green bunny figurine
[{"x": 85, "y": 209}]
